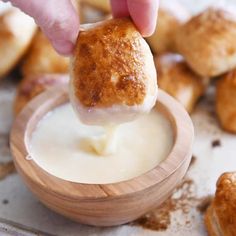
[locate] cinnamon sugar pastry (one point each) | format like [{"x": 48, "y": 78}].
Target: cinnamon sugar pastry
[
  {"x": 177, "y": 79},
  {"x": 207, "y": 42},
  {"x": 170, "y": 17},
  {"x": 43, "y": 59},
  {"x": 33, "y": 85},
  {"x": 16, "y": 33},
  {"x": 113, "y": 76},
  {"x": 220, "y": 218},
  {"x": 226, "y": 101}
]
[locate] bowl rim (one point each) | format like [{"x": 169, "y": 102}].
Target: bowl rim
[{"x": 52, "y": 98}]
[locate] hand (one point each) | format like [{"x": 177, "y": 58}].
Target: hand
[
  {"x": 142, "y": 12},
  {"x": 59, "y": 20}
]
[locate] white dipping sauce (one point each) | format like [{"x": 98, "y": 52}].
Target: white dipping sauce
[{"x": 60, "y": 146}]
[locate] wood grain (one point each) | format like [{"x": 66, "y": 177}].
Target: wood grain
[{"x": 102, "y": 204}]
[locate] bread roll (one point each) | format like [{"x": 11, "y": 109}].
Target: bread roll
[
  {"x": 34, "y": 85},
  {"x": 16, "y": 33},
  {"x": 207, "y": 42},
  {"x": 103, "y": 5},
  {"x": 43, "y": 59},
  {"x": 171, "y": 16},
  {"x": 220, "y": 218},
  {"x": 177, "y": 79},
  {"x": 113, "y": 73},
  {"x": 226, "y": 101}
]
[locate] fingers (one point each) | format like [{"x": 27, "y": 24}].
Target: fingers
[
  {"x": 57, "y": 19},
  {"x": 119, "y": 8},
  {"x": 144, "y": 14}
]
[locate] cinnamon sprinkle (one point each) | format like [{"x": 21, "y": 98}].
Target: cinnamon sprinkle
[{"x": 183, "y": 199}]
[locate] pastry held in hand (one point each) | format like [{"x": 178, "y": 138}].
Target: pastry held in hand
[
  {"x": 113, "y": 76},
  {"x": 32, "y": 86},
  {"x": 226, "y": 101},
  {"x": 220, "y": 218},
  {"x": 177, "y": 79},
  {"x": 207, "y": 42},
  {"x": 16, "y": 33}
]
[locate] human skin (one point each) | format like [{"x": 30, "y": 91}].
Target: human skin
[{"x": 60, "y": 22}]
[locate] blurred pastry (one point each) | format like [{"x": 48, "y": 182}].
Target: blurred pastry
[
  {"x": 207, "y": 42},
  {"x": 170, "y": 17},
  {"x": 16, "y": 33},
  {"x": 177, "y": 79},
  {"x": 113, "y": 76},
  {"x": 226, "y": 101},
  {"x": 103, "y": 5},
  {"x": 43, "y": 59},
  {"x": 34, "y": 85},
  {"x": 220, "y": 218},
  {"x": 90, "y": 14}
]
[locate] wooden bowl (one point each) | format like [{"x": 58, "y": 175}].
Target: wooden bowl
[{"x": 102, "y": 204}]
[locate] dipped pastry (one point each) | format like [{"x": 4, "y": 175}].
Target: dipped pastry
[
  {"x": 220, "y": 218},
  {"x": 32, "y": 86},
  {"x": 177, "y": 79},
  {"x": 170, "y": 17},
  {"x": 43, "y": 59},
  {"x": 113, "y": 76},
  {"x": 226, "y": 101},
  {"x": 103, "y": 5},
  {"x": 207, "y": 42},
  {"x": 16, "y": 33}
]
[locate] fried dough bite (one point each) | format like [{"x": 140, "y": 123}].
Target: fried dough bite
[
  {"x": 207, "y": 42},
  {"x": 226, "y": 101},
  {"x": 113, "y": 76},
  {"x": 177, "y": 79},
  {"x": 170, "y": 17},
  {"x": 43, "y": 59},
  {"x": 32, "y": 86},
  {"x": 16, "y": 33},
  {"x": 220, "y": 218},
  {"x": 102, "y": 5}
]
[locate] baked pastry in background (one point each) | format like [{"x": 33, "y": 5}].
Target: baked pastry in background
[
  {"x": 220, "y": 218},
  {"x": 103, "y": 5},
  {"x": 226, "y": 101},
  {"x": 16, "y": 33},
  {"x": 90, "y": 14},
  {"x": 113, "y": 76},
  {"x": 43, "y": 59},
  {"x": 177, "y": 79},
  {"x": 207, "y": 42},
  {"x": 33, "y": 85},
  {"x": 171, "y": 16}
]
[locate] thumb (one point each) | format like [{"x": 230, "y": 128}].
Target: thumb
[{"x": 57, "y": 19}]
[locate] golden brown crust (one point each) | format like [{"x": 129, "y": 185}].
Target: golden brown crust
[
  {"x": 108, "y": 65},
  {"x": 33, "y": 85},
  {"x": 168, "y": 23},
  {"x": 211, "y": 224},
  {"x": 103, "y": 5},
  {"x": 207, "y": 42},
  {"x": 177, "y": 79},
  {"x": 16, "y": 33},
  {"x": 226, "y": 101},
  {"x": 43, "y": 59},
  {"x": 221, "y": 216}
]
